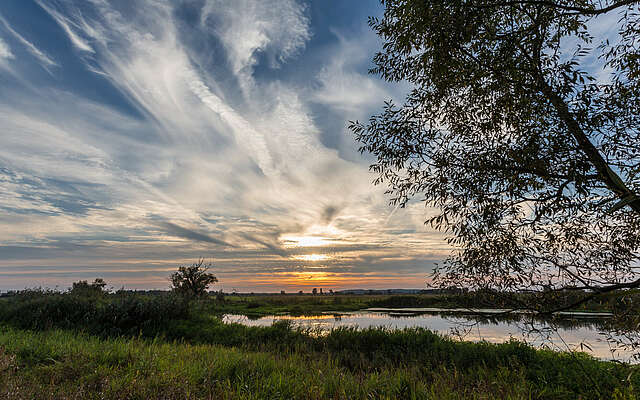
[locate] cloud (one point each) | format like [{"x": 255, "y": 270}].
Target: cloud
[
  {"x": 5, "y": 51},
  {"x": 344, "y": 81},
  {"x": 199, "y": 154},
  {"x": 329, "y": 213},
  {"x": 45, "y": 60},
  {"x": 179, "y": 231},
  {"x": 271, "y": 245},
  {"x": 277, "y": 29},
  {"x": 68, "y": 26},
  {"x": 245, "y": 132}
]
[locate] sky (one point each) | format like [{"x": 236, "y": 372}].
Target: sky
[{"x": 139, "y": 136}]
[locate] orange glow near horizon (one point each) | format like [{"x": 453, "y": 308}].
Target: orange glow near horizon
[
  {"x": 309, "y": 278},
  {"x": 318, "y": 277},
  {"x": 290, "y": 281}
]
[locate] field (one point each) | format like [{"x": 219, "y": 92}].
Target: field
[
  {"x": 259, "y": 305},
  {"x": 158, "y": 346}
]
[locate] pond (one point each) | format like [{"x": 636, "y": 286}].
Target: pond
[{"x": 573, "y": 331}]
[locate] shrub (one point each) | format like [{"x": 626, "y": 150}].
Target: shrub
[
  {"x": 132, "y": 314},
  {"x": 110, "y": 315}
]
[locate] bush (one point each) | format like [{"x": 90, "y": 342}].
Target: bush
[
  {"x": 112, "y": 315},
  {"x": 44, "y": 310},
  {"x": 132, "y": 314}
]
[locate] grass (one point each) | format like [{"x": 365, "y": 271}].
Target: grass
[
  {"x": 58, "y": 346},
  {"x": 62, "y": 364},
  {"x": 293, "y": 304},
  {"x": 260, "y": 305}
]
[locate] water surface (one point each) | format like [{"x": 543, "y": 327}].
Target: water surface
[{"x": 572, "y": 332}]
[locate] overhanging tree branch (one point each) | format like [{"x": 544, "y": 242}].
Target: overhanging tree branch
[
  {"x": 526, "y": 157},
  {"x": 606, "y": 174},
  {"x": 564, "y": 7}
]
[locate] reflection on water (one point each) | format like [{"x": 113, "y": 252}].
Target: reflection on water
[{"x": 580, "y": 334}]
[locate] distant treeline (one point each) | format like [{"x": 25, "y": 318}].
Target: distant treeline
[
  {"x": 568, "y": 300},
  {"x": 381, "y": 292}
]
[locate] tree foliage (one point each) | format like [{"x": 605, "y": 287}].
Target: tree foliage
[
  {"x": 521, "y": 129},
  {"x": 83, "y": 288},
  {"x": 192, "y": 280}
]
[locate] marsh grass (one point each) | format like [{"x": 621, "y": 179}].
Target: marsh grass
[
  {"x": 102, "y": 314},
  {"x": 292, "y": 304},
  {"x": 260, "y": 305},
  {"x": 62, "y": 364},
  {"x": 57, "y": 346},
  {"x": 279, "y": 362}
]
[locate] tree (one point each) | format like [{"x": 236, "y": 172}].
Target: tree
[
  {"x": 521, "y": 130},
  {"x": 192, "y": 280},
  {"x": 83, "y": 288}
]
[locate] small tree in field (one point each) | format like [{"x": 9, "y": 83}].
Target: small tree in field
[
  {"x": 192, "y": 280},
  {"x": 83, "y": 288}
]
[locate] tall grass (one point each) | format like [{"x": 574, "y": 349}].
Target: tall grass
[
  {"x": 117, "y": 314},
  {"x": 161, "y": 346},
  {"x": 61, "y": 364}
]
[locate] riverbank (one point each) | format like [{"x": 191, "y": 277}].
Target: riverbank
[
  {"x": 128, "y": 345},
  {"x": 347, "y": 364},
  {"x": 295, "y": 304}
]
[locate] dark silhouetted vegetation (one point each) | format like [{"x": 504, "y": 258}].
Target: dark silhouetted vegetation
[
  {"x": 95, "y": 288},
  {"x": 162, "y": 345},
  {"x": 192, "y": 280},
  {"x": 93, "y": 312},
  {"x": 527, "y": 155}
]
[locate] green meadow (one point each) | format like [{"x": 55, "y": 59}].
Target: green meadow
[{"x": 161, "y": 346}]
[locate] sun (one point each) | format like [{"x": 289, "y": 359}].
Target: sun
[
  {"x": 312, "y": 257},
  {"x": 305, "y": 241}
]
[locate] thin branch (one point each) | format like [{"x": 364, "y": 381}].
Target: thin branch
[{"x": 572, "y": 9}]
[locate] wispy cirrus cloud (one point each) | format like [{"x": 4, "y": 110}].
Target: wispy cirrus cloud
[
  {"x": 5, "y": 53},
  {"x": 71, "y": 28},
  {"x": 196, "y": 145},
  {"x": 179, "y": 231},
  {"x": 275, "y": 29},
  {"x": 44, "y": 59}
]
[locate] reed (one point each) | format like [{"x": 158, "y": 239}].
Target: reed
[{"x": 159, "y": 346}]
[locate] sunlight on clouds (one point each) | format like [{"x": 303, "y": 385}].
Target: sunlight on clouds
[
  {"x": 213, "y": 152},
  {"x": 305, "y": 241},
  {"x": 313, "y": 277},
  {"x": 314, "y": 236},
  {"x": 312, "y": 257}
]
